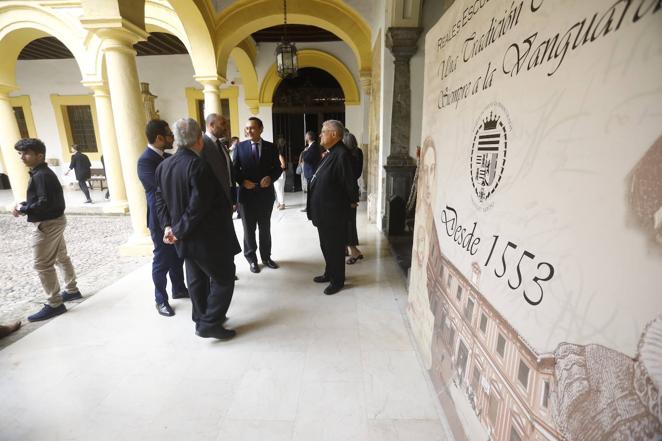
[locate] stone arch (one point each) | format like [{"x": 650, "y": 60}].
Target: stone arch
[
  {"x": 320, "y": 60},
  {"x": 21, "y": 24},
  {"x": 244, "y": 57},
  {"x": 187, "y": 24},
  {"x": 241, "y": 19}
]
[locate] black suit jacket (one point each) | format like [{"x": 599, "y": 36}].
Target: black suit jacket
[
  {"x": 246, "y": 168},
  {"x": 189, "y": 200},
  {"x": 147, "y": 164},
  {"x": 81, "y": 165},
  {"x": 332, "y": 189},
  {"x": 219, "y": 163}
]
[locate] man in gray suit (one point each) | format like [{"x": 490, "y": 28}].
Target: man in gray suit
[{"x": 217, "y": 156}]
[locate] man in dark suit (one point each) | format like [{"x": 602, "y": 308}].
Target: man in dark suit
[
  {"x": 81, "y": 166},
  {"x": 256, "y": 167},
  {"x": 217, "y": 156},
  {"x": 332, "y": 193},
  {"x": 311, "y": 157},
  {"x": 165, "y": 260},
  {"x": 197, "y": 218}
]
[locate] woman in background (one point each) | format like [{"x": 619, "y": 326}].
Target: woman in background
[
  {"x": 356, "y": 155},
  {"x": 279, "y": 185}
]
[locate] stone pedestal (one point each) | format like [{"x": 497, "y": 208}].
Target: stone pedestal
[{"x": 400, "y": 167}]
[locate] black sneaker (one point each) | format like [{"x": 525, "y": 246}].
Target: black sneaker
[
  {"x": 47, "y": 312},
  {"x": 69, "y": 296}
]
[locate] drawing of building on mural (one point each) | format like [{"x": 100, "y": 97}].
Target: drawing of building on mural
[{"x": 579, "y": 392}]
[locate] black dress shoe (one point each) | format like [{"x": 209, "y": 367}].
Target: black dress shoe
[
  {"x": 181, "y": 295},
  {"x": 165, "y": 309},
  {"x": 332, "y": 289},
  {"x": 255, "y": 268},
  {"x": 270, "y": 263},
  {"x": 219, "y": 333},
  {"x": 321, "y": 279}
]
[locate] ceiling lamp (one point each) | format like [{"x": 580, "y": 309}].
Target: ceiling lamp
[{"x": 286, "y": 52}]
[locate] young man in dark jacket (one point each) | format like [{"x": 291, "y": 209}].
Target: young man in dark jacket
[
  {"x": 81, "y": 166},
  {"x": 44, "y": 208}
]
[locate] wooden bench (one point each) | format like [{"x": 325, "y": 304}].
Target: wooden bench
[{"x": 97, "y": 175}]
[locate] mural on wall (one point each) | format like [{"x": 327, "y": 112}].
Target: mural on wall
[{"x": 535, "y": 284}]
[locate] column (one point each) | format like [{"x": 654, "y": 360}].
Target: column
[
  {"x": 111, "y": 155},
  {"x": 400, "y": 167},
  {"x": 129, "y": 120},
  {"x": 212, "y": 93},
  {"x": 15, "y": 169}
]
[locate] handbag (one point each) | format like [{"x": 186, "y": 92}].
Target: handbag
[{"x": 299, "y": 169}]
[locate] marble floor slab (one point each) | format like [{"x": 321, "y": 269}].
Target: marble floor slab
[{"x": 304, "y": 366}]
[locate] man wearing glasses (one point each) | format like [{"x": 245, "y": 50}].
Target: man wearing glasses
[{"x": 165, "y": 260}]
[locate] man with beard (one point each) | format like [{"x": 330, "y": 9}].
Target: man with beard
[{"x": 165, "y": 260}]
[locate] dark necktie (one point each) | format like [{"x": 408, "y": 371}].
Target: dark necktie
[{"x": 254, "y": 152}]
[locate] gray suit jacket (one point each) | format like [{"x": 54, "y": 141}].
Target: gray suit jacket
[{"x": 220, "y": 163}]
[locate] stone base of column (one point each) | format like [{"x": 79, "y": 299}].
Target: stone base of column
[
  {"x": 116, "y": 208},
  {"x": 137, "y": 246},
  {"x": 399, "y": 179}
]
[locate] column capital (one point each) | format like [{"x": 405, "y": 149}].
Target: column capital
[
  {"x": 100, "y": 88},
  {"x": 365, "y": 76},
  {"x": 210, "y": 82},
  {"x": 6, "y": 89},
  {"x": 118, "y": 34},
  {"x": 403, "y": 42}
]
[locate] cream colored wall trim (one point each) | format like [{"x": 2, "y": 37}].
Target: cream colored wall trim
[
  {"x": 63, "y": 128},
  {"x": 194, "y": 95},
  {"x": 320, "y": 60},
  {"x": 23, "y": 102}
]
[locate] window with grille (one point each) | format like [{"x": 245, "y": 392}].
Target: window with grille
[
  {"x": 523, "y": 374},
  {"x": 483, "y": 323},
  {"x": 545, "y": 394},
  {"x": 469, "y": 310},
  {"x": 21, "y": 121},
  {"x": 501, "y": 345},
  {"x": 225, "y": 111},
  {"x": 475, "y": 379},
  {"x": 81, "y": 128},
  {"x": 493, "y": 408}
]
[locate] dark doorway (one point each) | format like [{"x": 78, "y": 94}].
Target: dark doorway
[{"x": 302, "y": 104}]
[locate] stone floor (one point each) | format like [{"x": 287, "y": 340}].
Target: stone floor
[
  {"x": 304, "y": 366},
  {"x": 92, "y": 242}
]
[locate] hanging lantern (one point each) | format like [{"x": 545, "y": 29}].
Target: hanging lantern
[{"x": 286, "y": 52}]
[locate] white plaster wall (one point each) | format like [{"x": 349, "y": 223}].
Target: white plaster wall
[
  {"x": 168, "y": 77},
  {"x": 432, "y": 11},
  {"x": 39, "y": 79}
]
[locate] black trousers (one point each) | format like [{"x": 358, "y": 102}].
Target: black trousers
[
  {"x": 84, "y": 189},
  {"x": 210, "y": 285},
  {"x": 257, "y": 214},
  {"x": 352, "y": 234},
  {"x": 333, "y": 240}
]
